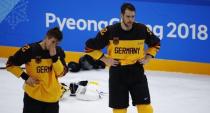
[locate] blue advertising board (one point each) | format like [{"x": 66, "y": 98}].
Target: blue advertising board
[{"x": 182, "y": 26}]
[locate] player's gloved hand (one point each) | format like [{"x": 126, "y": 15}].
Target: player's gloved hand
[
  {"x": 73, "y": 88},
  {"x": 110, "y": 61},
  {"x": 32, "y": 81},
  {"x": 145, "y": 60}
]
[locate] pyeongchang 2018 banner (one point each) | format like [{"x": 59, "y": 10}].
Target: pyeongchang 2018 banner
[{"x": 183, "y": 27}]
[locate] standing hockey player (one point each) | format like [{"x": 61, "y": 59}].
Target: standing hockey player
[
  {"x": 44, "y": 62},
  {"x": 126, "y": 57}
]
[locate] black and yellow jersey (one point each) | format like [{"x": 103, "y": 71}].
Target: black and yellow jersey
[
  {"x": 125, "y": 46},
  {"x": 40, "y": 65}
]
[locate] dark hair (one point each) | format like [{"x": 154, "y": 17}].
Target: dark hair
[
  {"x": 128, "y": 6},
  {"x": 56, "y": 33}
]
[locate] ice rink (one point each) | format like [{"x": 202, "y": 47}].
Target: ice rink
[{"x": 170, "y": 93}]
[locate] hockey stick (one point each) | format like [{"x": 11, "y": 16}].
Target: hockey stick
[{"x": 1, "y": 68}]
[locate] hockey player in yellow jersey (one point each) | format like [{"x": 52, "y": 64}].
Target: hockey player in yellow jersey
[
  {"x": 126, "y": 56},
  {"x": 44, "y": 62}
]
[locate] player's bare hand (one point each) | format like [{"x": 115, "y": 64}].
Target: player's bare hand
[
  {"x": 109, "y": 61},
  {"x": 52, "y": 49},
  {"x": 32, "y": 81},
  {"x": 145, "y": 60}
]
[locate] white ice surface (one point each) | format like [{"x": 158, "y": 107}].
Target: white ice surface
[{"x": 170, "y": 93}]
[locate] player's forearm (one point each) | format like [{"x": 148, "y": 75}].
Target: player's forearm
[
  {"x": 153, "y": 49},
  {"x": 17, "y": 71},
  {"x": 58, "y": 68},
  {"x": 96, "y": 54}
]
